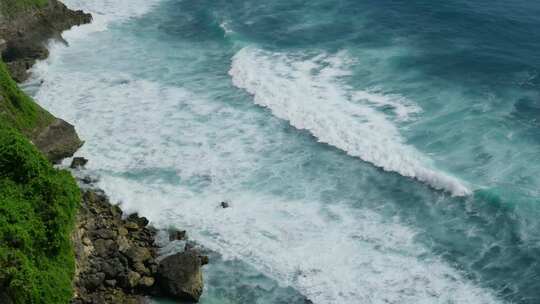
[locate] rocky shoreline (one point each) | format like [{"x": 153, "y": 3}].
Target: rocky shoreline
[
  {"x": 117, "y": 256},
  {"x": 118, "y": 260}
]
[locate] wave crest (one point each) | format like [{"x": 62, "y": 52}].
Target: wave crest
[{"x": 310, "y": 94}]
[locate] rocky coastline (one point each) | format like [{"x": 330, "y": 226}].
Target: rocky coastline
[{"x": 118, "y": 258}]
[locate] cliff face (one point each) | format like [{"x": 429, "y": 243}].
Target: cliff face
[
  {"x": 38, "y": 203},
  {"x": 26, "y": 26}
]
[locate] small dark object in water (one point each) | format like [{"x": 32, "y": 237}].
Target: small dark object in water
[
  {"x": 78, "y": 162},
  {"x": 177, "y": 235},
  {"x": 224, "y": 205}
]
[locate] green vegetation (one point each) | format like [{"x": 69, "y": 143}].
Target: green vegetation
[
  {"x": 17, "y": 110},
  {"x": 38, "y": 205},
  {"x": 11, "y": 8}
]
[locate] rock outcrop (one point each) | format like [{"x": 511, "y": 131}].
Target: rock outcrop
[
  {"x": 180, "y": 275},
  {"x": 25, "y": 34},
  {"x": 58, "y": 140},
  {"x": 117, "y": 258}
]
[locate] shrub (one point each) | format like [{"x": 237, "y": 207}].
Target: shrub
[{"x": 37, "y": 211}]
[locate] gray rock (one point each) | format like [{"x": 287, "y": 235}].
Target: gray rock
[
  {"x": 180, "y": 276},
  {"x": 58, "y": 141}
]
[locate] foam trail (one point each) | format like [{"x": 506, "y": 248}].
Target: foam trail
[
  {"x": 307, "y": 93},
  {"x": 332, "y": 254}
]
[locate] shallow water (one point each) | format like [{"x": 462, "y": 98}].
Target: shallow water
[{"x": 372, "y": 152}]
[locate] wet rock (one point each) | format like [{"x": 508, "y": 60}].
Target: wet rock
[
  {"x": 140, "y": 221},
  {"x": 78, "y": 162},
  {"x": 88, "y": 180},
  {"x": 177, "y": 235},
  {"x": 204, "y": 259},
  {"x": 180, "y": 276}
]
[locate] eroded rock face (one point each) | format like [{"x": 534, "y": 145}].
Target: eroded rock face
[
  {"x": 180, "y": 275},
  {"x": 114, "y": 264},
  {"x": 58, "y": 141},
  {"x": 26, "y": 34}
]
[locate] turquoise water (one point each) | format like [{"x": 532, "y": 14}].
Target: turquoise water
[{"x": 372, "y": 152}]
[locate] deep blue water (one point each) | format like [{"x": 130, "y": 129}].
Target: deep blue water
[{"x": 372, "y": 151}]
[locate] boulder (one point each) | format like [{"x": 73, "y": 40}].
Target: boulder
[
  {"x": 180, "y": 276},
  {"x": 58, "y": 141}
]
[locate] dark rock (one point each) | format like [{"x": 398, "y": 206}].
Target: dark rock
[
  {"x": 26, "y": 34},
  {"x": 140, "y": 221},
  {"x": 180, "y": 276},
  {"x": 105, "y": 248},
  {"x": 113, "y": 267},
  {"x": 88, "y": 180},
  {"x": 177, "y": 235},
  {"x": 204, "y": 260},
  {"x": 111, "y": 283},
  {"x": 105, "y": 234},
  {"x": 78, "y": 162},
  {"x": 94, "y": 280},
  {"x": 57, "y": 141},
  {"x": 224, "y": 205},
  {"x": 117, "y": 258}
]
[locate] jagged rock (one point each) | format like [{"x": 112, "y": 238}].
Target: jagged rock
[
  {"x": 26, "y": 34},
  {"x": 58, "y": 140},
  {"x": 78, "y": 162},
  {"x": 117, "y": 258},
  {"x": 180, "y": 276},
  {"x": 140, "y": 221},
  {"x": 204, "y": 259}
]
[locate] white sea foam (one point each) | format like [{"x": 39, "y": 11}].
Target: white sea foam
[
  {"x": 105, "y": 12},
  {"x": 308, "y": 93},
  {"x": 333, "y": 254}
]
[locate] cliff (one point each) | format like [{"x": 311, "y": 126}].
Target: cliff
[
  {"x": 38, "y": 203},
  {"x": 56, "y": 244}
]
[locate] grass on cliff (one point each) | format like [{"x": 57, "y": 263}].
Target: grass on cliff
[
  {"x": 17, "y": 109},
  {"x": 38, "y": 205},
  {"x": 11, "y": 8}
]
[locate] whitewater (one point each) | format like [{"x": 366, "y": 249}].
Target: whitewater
[{"x": 341, "y": 191}]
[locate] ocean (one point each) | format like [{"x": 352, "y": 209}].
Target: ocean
[{"x": 371, "y": 151}]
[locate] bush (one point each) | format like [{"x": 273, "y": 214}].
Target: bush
[{"x": 38, "y": 205}]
